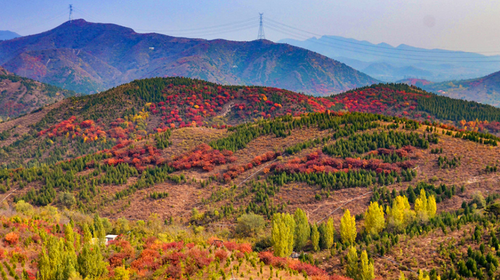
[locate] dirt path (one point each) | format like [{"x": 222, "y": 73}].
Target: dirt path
[{"x": 227, "y": 108}]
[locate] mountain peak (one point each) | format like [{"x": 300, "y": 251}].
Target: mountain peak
[
  {"x": 77, "y": 22},
  {"x": 83, "y": 25},
  {"x": 7, "y": 35}
]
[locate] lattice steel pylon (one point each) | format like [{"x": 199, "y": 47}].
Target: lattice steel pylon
[
  {"x": 70, "y": 13},
  {"x": 261, "y": 35}
]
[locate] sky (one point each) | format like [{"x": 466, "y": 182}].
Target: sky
[{"x": 447, "y": 24}]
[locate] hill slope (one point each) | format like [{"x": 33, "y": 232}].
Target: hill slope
[
  {"x": 20, "y": 95},
  {"x": 142, "y": 107},
  {"x": 157, "y": 159},
  {"x": 485, "y": 90},
  {"x": 91, "y": 57}
]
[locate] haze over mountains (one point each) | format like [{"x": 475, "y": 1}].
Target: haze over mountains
[
  {"x": 91, "y": 57},
  {"x": 387, "y": 63}
]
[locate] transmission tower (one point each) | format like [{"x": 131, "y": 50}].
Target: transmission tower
[
  {"x": 70, "y": 12},
  {"x": 261, "y": 35}
]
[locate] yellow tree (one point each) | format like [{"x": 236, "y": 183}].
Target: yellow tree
[
  {"x": 352, "y": 269},
  {"x": 348, "y": 228},
  {"x": 302, "y": 229},
  {"x": 421, "y": 203},
  {"x": 431, "y": 206},
  {"x": 282, "y": 234},
  {"x": 367, "y": 270},
  {"x": 330, "y": 232},
  {"x": 400, "y": 213},
  {"x": 402, "y": 276},
  {"x": 374, "y": 218},
  {"x": 122, "y": 273},
  {"x": 421, "y": 276}
]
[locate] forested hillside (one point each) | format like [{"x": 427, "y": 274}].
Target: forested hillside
[{"x": 203, "y": 181}]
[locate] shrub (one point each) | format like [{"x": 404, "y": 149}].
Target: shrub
[
  {"x": 221, "y": 255},
  {"x": 249, "y": 224},
  {"x": 478, "y": 199},
  {"x": 24, "y": 207},
  {"x": 67, "y": 199},
  {"x": 12, "y": 238},
  {"x": 245, "y": 248}
]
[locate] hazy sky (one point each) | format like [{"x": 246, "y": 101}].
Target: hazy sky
[{"x": 469, "y": 25}]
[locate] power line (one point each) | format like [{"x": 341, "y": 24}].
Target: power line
[
  {"x": 413, "y": 57},
  {"x": 261, "y": 35},
  {"x": 358, "y": 43},
  {"x": 232, "y": 24},
  {"x": 365, "y": 51},
  {"x": 213, "y": 32},
  {"x": 201, "y": 31},
  {"x": 59, "y": 14}
]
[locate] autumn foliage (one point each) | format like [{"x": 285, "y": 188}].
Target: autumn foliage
[
  {"x": 235, "y": 171},
  {"x": 12, "y": 238},
  {"x": 139, "y": 155},
  {"x": 269, "y": 259},
  {"x": 204, "y": 157},
  {"x": 318, "y": 162}
]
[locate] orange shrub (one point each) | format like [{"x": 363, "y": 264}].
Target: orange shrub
[
  {"x": 245, "y": 248},
  {"x": 12, "y": 238},
  {"x": 221, "y": 255}
]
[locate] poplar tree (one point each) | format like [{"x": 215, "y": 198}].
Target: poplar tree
[
  {"x": 367, "y": 270},
  {"x": 374, "y": 218},
  {"x": 90, "y": 261},
  {"x": 431, "y": 206},
  {"x": 282, "y": 233},
  {"x": 348, "y": 228},
  {"x": 421, "y": 203},
  {"x": 400, "y": 213},
  {"x": 352, "y": 269},
  {"x": 402, "y": 276},
  {"x": 87, "y": 236},
  {"x": 44, "y": 269},
  {"x": 99, "y": 231},
  {"x": 69, "y": 234},
  {"x": 327, "y": 231},
  {"x": 302, "y": 229},
  {"x": 421, "y": 276},
  {"x": 315, "y": 237}
]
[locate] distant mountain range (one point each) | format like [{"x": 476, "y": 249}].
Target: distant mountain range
[
  {"x": 390, "y": 64},
  {"x": 20, "y": 95},
  {"x": 7, "y": 35},
  {"x": 91, "y": 57},
  {"x": 485, "y": 89}
]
